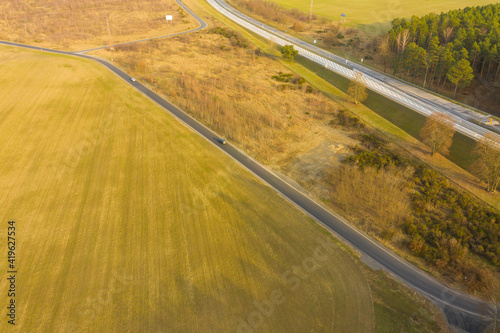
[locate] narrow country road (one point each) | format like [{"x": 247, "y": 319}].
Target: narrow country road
[{"x": 464, "y": 311}]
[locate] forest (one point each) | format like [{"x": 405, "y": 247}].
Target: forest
[{"x": 452, "y": 48}]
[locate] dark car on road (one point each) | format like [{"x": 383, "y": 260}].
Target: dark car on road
[{"x": 222, "y": 141}]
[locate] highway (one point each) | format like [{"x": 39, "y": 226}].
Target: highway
[
  {"x": 456, "y": 301},
  {"x": 410, "y": 96}
]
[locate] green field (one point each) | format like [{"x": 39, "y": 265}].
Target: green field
[
  {"x": 370, "y": 12},
  {"x": 127, "y": 221}
]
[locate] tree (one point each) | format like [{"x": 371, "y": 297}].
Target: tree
[
  {"x": 485, "y": 51},
  {"x": 423, "y": 32},
  {"x": 384, "y": 51},
  {"x": 447, "y": 34},
  {"x": 432, "y": 57},
  {"x": 475, "y": 51},
  {"x": 437, "y": 133},
  {"x": 415, "y": 59},
  {"x": 297, "y": 26},
  {"x": 403, "y": 39},
  {"x": 446, "y": 60},
  {"x": 487, "y": 164},
  {"x": 492, "y": 57},
  {"x": 356, "y": 90},
  {"x": 460, "y": 74},
  {"x": 289, "y": 52},
  {"x": 330, "y": 39}
]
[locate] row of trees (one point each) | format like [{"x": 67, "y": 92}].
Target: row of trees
[{"x": 453, "y": 46}]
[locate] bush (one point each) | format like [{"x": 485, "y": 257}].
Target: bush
[
  {"x": 289, "y": 52},
  {"x": 330, "y": 39},
  {"x": 235, "y": 38},
  {"x": 373, "y": 141},
  {"x": 297, "y": 26},
  {"x": 383, "y": 194},
  {"x": 344, "y": 118}
]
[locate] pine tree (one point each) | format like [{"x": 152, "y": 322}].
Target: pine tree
[{"x": 460, "y": 74}]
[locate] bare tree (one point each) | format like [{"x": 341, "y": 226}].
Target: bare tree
[
  {"x": 398, "y": 42},
  {"x": 356, "y": 90},
  {"x": 437, "y": 133},
  {"x": 405, "y": 38},
  {"x": 447, "y": 34},
  {"x": 384, "y": 51},
  {"x": 487, "y": 164}
]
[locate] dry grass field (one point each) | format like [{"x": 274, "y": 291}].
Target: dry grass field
[
  {"x": 282, "y": 120},
  {"x": 249, "y": 98},
  {"x": 128, "y": 221},
  {"x": 83, "y": 24}
]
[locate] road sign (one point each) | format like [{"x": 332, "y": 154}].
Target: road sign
[
  {"x": 342, "y": 15},
  {"x": 168, "y": 17}
]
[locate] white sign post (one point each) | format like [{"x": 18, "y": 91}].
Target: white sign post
[{"x": 168, "y": 18}]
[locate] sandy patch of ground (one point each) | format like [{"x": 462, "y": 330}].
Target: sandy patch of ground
[{"x": 309, "y": 160}]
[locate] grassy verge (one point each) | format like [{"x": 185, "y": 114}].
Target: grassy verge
[
  {"x": 399, "y": 309},
  {"x": 406, "y": 119},
  {"x": 402, "y": 126}
]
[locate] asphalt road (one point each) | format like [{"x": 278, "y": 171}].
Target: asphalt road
[
  {"x": 402, "y": 93},
  {"x": 407, "y": 273}
]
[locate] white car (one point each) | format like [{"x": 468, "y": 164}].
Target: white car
[{"x": 132, "y": 79}]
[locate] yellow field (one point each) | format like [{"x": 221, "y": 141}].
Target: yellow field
[
  {"x": 83, "y": 24},
  {"x": 127, "y": 221},
  {"x": 380, "y": 11}
]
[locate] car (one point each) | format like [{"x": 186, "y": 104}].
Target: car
[
  {"x": 222, "y": 141},
  {"x": 132, "y": 79}
]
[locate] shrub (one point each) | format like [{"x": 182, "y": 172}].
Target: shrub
[
  {"x": 330, "y": 39},
  {"x": 289, "y": 52},
  {"x": 344, "y": 118},
  {"x": 297, "y": 26}
]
